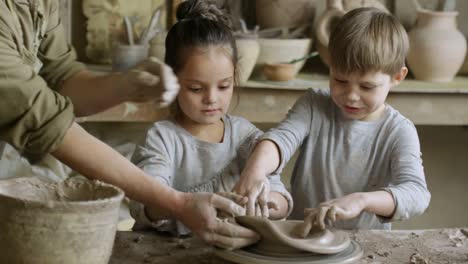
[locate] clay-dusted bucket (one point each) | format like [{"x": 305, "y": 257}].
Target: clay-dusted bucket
[{"x": 71, "y": 222}]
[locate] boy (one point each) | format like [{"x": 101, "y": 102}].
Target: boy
[{"x": 359, "y": 164}]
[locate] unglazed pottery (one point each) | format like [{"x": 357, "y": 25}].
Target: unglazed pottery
[
  {"x": 329, "y": 18},
  {"x": 248, "y": 50},
  {"x": 125, "y": 57},
  {"x": 282, "y": 51},
  {"x": 437, "y": 47},
  {"x": 279, "y": 72},
  {"x": 284, "y": 13},
  {"x": 280, "y": 238},
  {"x": 71, "y": 222}
]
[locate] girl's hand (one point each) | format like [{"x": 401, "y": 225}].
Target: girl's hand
[
  {"x": 256, "y": 189},
  {"x": 344, "y": 208}
]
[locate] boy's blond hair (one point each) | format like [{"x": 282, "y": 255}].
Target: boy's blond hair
[{"x": 368, "y": 39}]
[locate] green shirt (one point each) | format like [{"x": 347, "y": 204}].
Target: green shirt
[{"x": 34, "y": 61}]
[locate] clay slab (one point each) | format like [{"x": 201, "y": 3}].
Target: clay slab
[{"x": 279, "y": 238}]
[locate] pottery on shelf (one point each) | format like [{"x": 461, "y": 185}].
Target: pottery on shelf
[
  {"x": 437, "y": 47},
  {"x": 248, "y": 50},
  {"x": 74, "y": 221},
  {"x": 125, "y": 56},
  {"x": 280, "y": 237},
  {"x": 284, "y": 13},
  {"x": 327, "y": 21},
  {"x": 282, "y": 51},
  {"x": 279, "y": 72}
]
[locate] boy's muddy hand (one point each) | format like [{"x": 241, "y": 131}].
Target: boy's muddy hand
[
  {"x": 151, "y": 79},
  {"x": 257, "y": 191},
  {"x": 344, "y": 208},
  {"x": 199, "y": 214}
]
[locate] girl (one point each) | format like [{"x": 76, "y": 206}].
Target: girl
[{"x": 201, "y": 148}]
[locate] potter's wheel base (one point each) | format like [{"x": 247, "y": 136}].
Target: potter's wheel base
[{"x": 243, "y": 256}]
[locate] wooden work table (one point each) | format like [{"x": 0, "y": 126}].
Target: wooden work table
[
  {"x": 398, "y": 246},
  {"x": 261, "y": 101}
]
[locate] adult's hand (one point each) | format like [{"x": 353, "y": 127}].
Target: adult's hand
[
  {"x": 199, "y": 213},
  {"x": 151, "y": 79}
]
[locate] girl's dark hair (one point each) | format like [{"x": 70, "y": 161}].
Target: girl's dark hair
[{"x": 200, "y": 24}]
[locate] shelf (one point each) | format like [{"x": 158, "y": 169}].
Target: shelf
[{"x": 425, "y": 103}]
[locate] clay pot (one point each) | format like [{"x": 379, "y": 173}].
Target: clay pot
[
  {"x": 248, "y": 51},
  {"x": 125, "y": 57},
  {"x": 437, "y": 47},
  {"x": 282, "y": 51},
  {"x": 279, "y": 72},
  {"x": 71, "y": 222},
  {"x": 284, "y": 13},
  {"x": 329, "y": 18}
]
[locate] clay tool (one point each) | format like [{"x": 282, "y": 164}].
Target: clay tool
[
  {"x": 308, "y": 56},
  {"x": 129, "y": 30},
  {"x": 151, "y": 30}
]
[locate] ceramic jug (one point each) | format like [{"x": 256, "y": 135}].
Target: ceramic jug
[
  {"x": 437, "y": 47},
  {"x": 335, "y": 9}
]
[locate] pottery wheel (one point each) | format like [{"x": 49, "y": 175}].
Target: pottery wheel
[{"x": 250, "y": 255}]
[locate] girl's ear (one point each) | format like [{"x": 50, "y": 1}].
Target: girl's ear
[{"x": 400, "y": 76}]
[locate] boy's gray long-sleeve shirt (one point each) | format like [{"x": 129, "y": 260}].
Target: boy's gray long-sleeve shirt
[
  {"x": 339, "y": 156},
  {"x": 176, "y": 158}
]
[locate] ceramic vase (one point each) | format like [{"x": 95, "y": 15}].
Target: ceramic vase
[
  {"x": 437, "y": 47},
  {"x": 284, "y": 13},
  {"x": 248, "y": 50}
]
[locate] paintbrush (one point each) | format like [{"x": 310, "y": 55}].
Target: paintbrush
[
  {"x": 151, "y": 30},
  {"x": 129, "y": 30}
]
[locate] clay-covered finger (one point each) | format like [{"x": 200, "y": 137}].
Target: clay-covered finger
[
  {"x": 226, "y": 205},
  {"x": 322, "y": 214},
  {"x": 331, "y": 214},
  {"x": 239, "y": 199},
  {"x": 230, "y": 229},
  {"x": 258, "y": 210},
  {"x": 252, "y": 201},
  {"x": 309, "y": 219},
  {"x": 263, "y": 200}
]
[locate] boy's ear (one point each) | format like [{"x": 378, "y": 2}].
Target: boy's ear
[{"x": 400, "y": 76}]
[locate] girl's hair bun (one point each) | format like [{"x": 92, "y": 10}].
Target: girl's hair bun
[{"x": 201, "y": 9}]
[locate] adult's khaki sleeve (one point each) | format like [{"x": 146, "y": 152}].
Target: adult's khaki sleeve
[
  {"x": 33, "y": 118},
  {"x": 57, "y": 56}
]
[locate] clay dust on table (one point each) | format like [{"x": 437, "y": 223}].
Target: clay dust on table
[{"x": 418, "y": 247}]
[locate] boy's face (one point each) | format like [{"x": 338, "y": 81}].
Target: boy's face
[
  {"x": 362, "y": 96},
  {"x": 207, "y": 84}
]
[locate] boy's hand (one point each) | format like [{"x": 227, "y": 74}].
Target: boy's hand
[
  {"x": 344, "y": 208},
  {"x": 199, "y": 214},
  {"x": 256, "y": 189},
  {"x": 151, "y": 79}
]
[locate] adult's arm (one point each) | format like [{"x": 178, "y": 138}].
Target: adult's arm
[{"x": 94, "y": 159}]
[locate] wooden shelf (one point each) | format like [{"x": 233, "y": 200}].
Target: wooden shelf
[{"x": 261, "y": 101}]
